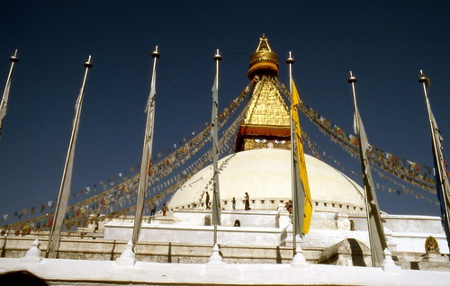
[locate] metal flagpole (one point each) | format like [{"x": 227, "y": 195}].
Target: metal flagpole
[
  {"x": 375, "y": 228},
  {"x": 290, "y": 60},
  {"x": 64, "y": 190},
  {"x": 146, "y": 153},
  {"x": 215, "y": 149},
  {"x": 442, "y": 184},
  {"x": 215, "y": 258},
  {"x": 298, "y": 191},
  {"x": 4, "y": 103},
  {"x": 352, "y": 80}
]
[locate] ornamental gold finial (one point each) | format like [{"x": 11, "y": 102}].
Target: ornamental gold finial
[
  {"x": 263, "y": 60},
  {"x": 217, "y": 56},
  {"x": 14, "y": 58},
  {"x": 290, "y": 59},
  {"x": 351, "y": 78},
  {"x": 88, "y": 63},
  {"x": 155, "y": 53},
  {"x": 424, "y": 79}
]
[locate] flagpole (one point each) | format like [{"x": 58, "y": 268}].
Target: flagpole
[
  {"x": 290, "y": 61},
  {"x": 215, "y": 259},
  {"x": 64, "y": 190},
  {"x": 215, "y": 149},
  {"x": 442, "y": 184},
  {"x": 146, "y": 154},
  {"x": 377, "y": 240},
  {"x": 4, "y": 103},
  {"x": 299, "y": 183},
  {"x": 352, "y": 80}
]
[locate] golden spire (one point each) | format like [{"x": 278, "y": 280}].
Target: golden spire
[
  {"x": 263, "y": 60},
  {"x": 267, "y": 122}
]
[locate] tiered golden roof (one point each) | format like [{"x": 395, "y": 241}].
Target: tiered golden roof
[
  {"x": 267, "y": 107},
  {"x": 267, "y": 121}
]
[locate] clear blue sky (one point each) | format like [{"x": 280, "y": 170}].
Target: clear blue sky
[{"x": 384, "y": 43}]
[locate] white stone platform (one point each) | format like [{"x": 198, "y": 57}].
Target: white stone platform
[{"x": 82, "y": 272}]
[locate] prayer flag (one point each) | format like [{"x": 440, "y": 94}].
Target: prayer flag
[
  {"x": 378, "y": 240},
  {"x": 66, "y": 180},
  {"x": 412, "y": 165},
  {"x": 5, "y": 98},
  {"x": 376, "y": 232},
  {"x": 301, "y": 196},
  {"x": 442, "y": 183},
  {"x": 146, "y": 155}
]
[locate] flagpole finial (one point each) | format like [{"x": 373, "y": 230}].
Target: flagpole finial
[
  {"x": 217, "y": 56},
  {"x": 424, "y": 79},
  {"x": 422, "y": 76},
  {"x": 155, "y": 53},
  {"x": 351, "y": 78},
  {"x": 14, "y": 57},
  {"x": 88, "y": 63},
  {"x": 290, "y": 59}
]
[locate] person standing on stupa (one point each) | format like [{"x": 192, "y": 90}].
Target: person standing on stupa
[
  {"x": 207, "y": 200},
  {"x": 247, "y": 201}
]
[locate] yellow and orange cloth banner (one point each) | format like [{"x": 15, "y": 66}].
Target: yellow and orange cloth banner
[{"x": 302, "y": 173}]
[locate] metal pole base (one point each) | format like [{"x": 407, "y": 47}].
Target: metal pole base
[
  {"x": 299, "y": 260},
  {"x": 388, "y": 263},
  {"x": 215, "y": 259},
  {"x": 128, "y": 257}
]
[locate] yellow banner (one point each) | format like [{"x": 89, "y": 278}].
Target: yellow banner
[{"x": 301, "y": 160}]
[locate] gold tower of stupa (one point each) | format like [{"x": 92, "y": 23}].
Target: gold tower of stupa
[{"x": 267, "y": 122}]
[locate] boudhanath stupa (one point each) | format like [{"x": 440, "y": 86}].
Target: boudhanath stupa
[{"x": 256, "y": 244}]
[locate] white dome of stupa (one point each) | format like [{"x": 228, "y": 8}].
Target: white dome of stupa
[{"x": 265, "y": 174}]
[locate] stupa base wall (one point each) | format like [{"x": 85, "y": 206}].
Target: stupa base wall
[{"x": 239, "y": 236}]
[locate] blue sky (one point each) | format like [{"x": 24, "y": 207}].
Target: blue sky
[{"x": 384, "y": 43}]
